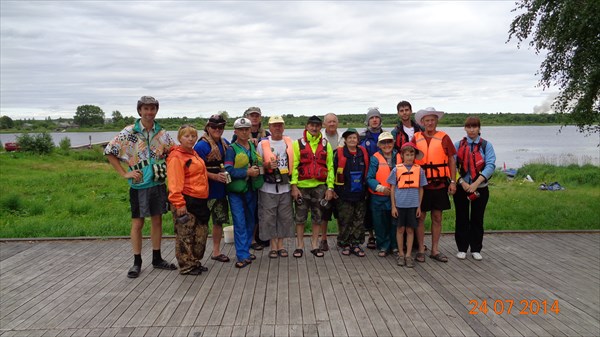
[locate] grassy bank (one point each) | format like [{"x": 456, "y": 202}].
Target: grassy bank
[{"x": 79, "y": 194}]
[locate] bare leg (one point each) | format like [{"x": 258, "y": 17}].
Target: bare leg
[
  {"x": 136, "y": 235},
  {"x": 436, "y": 230},
  {"x": 410, "y": 235},
  {"x": 400, "y": 239},
  {"x": 217, "y": 234},
  {"x": 315, "y": 236},
  {"x": 300, "y": 235},
  {"x": 421, "y": 232},
  {"x": 155, "y": 231}
]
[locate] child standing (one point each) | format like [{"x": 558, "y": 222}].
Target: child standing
[{"x": 408, "y": 180}]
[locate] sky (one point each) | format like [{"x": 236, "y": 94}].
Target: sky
[{"x": 287, "y": 57}]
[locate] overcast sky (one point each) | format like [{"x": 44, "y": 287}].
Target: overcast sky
[{"x": 298, "y": 57}]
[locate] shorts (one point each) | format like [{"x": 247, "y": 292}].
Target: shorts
[
  {"x": 311, "y": 201},
  {"x": 276, "y": 216},
  {"x": 198, "y": 207},
  {"x": 149, "y": 201},
  {"x": 407, "y": 217},
  {"x": 219, "y": 211},
  {"x": 435, "y": 200}
]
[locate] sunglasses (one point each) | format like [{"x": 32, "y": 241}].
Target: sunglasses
[
  {"x": 217, "y": 127},
  {"x": 386, "y": 142}
]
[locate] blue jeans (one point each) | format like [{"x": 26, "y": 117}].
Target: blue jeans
[{"x": 243, "y": 209}]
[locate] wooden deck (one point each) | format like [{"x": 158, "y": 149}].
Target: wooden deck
[{"x": 79, "y": 288}]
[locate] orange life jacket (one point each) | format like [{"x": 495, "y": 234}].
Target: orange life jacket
[
  {"x": 383, "y": 172},
  {"x": 268, "y": 154},
  {"x": 408, "y": 178},
  {"x": 312, "y": 165},
  {"x": 435, "y": 160},
  {"x": 341, "y": 164}
]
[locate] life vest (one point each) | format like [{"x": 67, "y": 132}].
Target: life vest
[
  {"x": 471, "y": 161},
  {"x": 401, "y": 136},
  {"x": 312, "y": 165},
  {"x": 341, "y": 163},
  {"x": 215, "y": 157},
  {"x": 408, "y": 178},
  {"x": 268, "y": 155},
  {"x": 383, "y": 172},
  {"x": 435, "y": 160},
  {"x": 243, "y": 161}
]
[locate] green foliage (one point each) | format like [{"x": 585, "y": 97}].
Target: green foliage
[
  {"x": 65, "y": 145},
  {"x": 40, "y": 143},
  {"x": 569, "y": 31},
  {"x": 572, "y": 175},
  {"x": 117, "y": 117},
  {"x": 6, "y": 122},
  {"x": 89, "y": 115}
]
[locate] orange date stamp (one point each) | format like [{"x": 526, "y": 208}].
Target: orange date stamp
[{"x": 522, "y": 307}]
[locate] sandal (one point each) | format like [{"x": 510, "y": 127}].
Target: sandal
[
  {"x": 346, "y": 251},
  {"x": 273, "y": 254},
  {"x": 164, "y": 265},
  {"x": 324, "y": 245},
  {"x": 283, "y": 253},
  {"x": 420, "y": 257},
  {"x": 382, "y": 253},
  {"x": 358, "y": 251},
  {"x": 256, "y": 246},
  {"x": 202, "y": 268},
  {"x": 220, "y": 258},
  {"x": 252, "y": 257},
  {"x": 298, "y": 252},
  {"x": 241, "y": 264},
  {"x": 134, "y": 271},
  {"x": 317, "y": 252},
  {"x": 371, "y": 243},
  {"x": 439, "y": 257}
]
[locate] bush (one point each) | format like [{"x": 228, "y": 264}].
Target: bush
[
  {"x": 65, "y": 145},
  {"x": 40, "y": 143}
]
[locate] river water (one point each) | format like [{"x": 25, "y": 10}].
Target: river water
[{"x": 514, "y": 145}]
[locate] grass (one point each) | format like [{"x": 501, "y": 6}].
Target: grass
[{"x": 79, "y": 194}]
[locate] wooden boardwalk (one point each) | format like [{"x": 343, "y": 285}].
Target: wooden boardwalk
[{"x": 79, "y": 288}]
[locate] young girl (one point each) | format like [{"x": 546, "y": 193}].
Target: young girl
[
  {"x": 188, "y": 192},
  {"x": 408, "y": 180}
]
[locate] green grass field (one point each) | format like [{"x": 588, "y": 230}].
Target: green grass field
[{"x": 79, "y": 194}]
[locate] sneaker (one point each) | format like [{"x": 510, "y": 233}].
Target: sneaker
[
  {"x": 410, "y": 262},
  {"x": 461, "y": 255},
  {"x": 477, "y": 256},
  {"x": 401, "y": 261}
]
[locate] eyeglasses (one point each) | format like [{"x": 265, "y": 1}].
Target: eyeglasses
[
  {"x": 217, "y": 127},
  {"x": 386, "y": 142}
]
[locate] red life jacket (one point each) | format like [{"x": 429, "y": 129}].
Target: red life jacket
[
  {"x": 341, "y": 164},
  {"x": 312, "y": 165},
  {"x": 471, "y": 161}
]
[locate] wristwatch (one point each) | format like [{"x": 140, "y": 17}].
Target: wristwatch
[{"x": 452, "y": 182}]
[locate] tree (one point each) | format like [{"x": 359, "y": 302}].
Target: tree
[
  {"x": 224, "y": 114},
  {"x": 117, "y": 116},
  {"x": 569, "y": 30},
  {"x": 6, "y": 122},
  {"x": 89, "y": 115}
]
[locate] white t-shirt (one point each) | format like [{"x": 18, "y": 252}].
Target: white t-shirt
[
  {"x": 278, "y": 148},
  {"x": 410, "y": 131}
]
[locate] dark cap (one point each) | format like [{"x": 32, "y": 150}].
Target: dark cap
[
  {"x": 314, "y": 119},
  {"x": 147, "y": 100},
  {"x": 216, "y": 119},
  {"x": 349, "y": 132}
]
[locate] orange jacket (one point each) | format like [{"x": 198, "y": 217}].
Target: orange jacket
[
  {"x": 435, "y": 160},
  {"x": 186, "y": 174}
]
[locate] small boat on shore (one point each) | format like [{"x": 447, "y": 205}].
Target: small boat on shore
[{"x": 11, "y": 146}]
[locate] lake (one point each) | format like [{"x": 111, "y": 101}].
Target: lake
[{"x": 514, "y": 145}]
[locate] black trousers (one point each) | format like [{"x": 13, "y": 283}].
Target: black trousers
[{"x": 469, "y": 219}]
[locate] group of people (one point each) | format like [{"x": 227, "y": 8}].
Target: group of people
[{"x": 375, "y": 181}]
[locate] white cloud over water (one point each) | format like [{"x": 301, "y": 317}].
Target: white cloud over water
[{"x": 299, "y": 57}]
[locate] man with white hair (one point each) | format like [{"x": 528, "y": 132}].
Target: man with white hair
[{"x": 440, "y": 168}]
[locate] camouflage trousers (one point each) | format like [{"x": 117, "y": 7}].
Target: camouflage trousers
[
  {"x": 190, "y": 243},
  {"x": 350, "y": 221}
]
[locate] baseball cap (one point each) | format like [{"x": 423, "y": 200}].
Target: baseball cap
[
  {"x": 241, "y": 123},
  {"x": 276, "y": 119},
  {"x": 385, "y": 136},
  {"x": 251, "y": 110}
]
